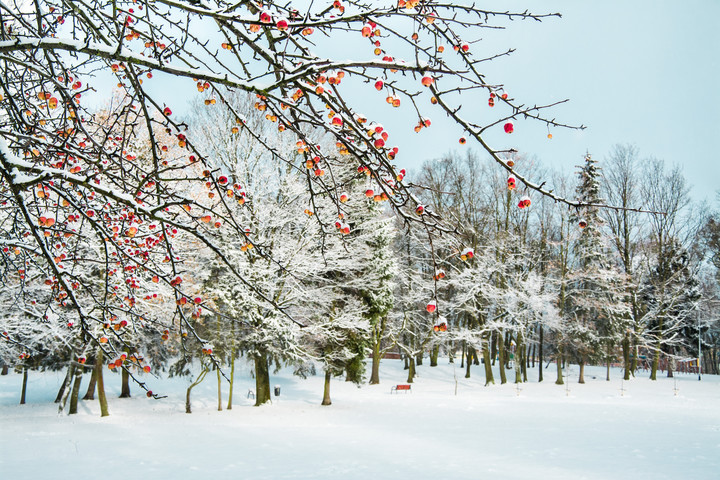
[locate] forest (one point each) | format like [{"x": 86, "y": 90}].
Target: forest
[{"x": 271, "y": 223}]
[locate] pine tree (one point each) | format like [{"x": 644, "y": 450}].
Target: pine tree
[{"x": 594, "y": 305}]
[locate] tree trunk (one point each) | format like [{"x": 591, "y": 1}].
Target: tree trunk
[
  {"x": 470, "y": 353},
  {"x": 419, "y": 359},
  {"x": 101, "y": 384},
  {"x": 434, "y": 353},
  {"x": 626, "y": 356},
  {"x": 540, "y": 356},
  {"x": 489, "y": 378},
  {"x": 462, "y": 354},
  {"x": 219, "y": 379},
  {"x": 24, "y": 385},
  {"x": 64, "y": 392},
  {"x": 63, "y": 386},
  {"x": 90, "y": 393},
  {"x": 406, "y": 361},
  {"x": 607, "y": 376},
  {"x": 200, "y": 378},
  {"x": 501, "y": 357},
  {"x": 532, "y": 356},
  {"x": 493, "y": 347},
  {"x": 326, "y": 389},
  {"x": 262, "y": 379},
  {"x": 654, "y": 365},
  {"x": 581, "y": 375},
  {"x": 75, "y": 394},
  {"x": 232, "y": 376},
  {"x": 125, "y": 391},
  {"x": 411, "y": 370},
  {"x": 375, "y": 369},
  {"x": 5, "y": 369},
  {"x": 656, "y": 356},
  {"x": 559, "y": 380}
]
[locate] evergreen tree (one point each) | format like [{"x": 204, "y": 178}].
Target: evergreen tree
[{"x": 594, "y": 305}]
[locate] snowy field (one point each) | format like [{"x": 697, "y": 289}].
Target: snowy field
[{"x": 669, "y": 429}]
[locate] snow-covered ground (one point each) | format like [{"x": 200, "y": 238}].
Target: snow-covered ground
[{"x": 669, "y": 429}]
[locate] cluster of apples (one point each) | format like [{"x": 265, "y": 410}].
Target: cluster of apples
[
  {"x": 439, "y": 274},
  {"x": 467, "y": 254},
  {"x": 207, "y": 349},
  {"x": 440, "y": 326},
  {"x": 524, "y": 202},
  {"x": 493, "y": 95},
  {"x": 340, "y": 224},
  {"x": 377, "y": 197},
  {"x": 423, "y": 123}
]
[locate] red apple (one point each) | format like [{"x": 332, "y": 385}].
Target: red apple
[{"x": 431, "y": 306}]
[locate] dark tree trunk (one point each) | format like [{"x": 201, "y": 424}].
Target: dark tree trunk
[
  {"x": 326, "y": 389},
  {"x": 375, "y": 369},
  {"x": 462, "y": 354},
  {"x": 407, "y": 362},
  {"x": 533, "y": 353},
  {"x": 75, "y": 394},
  {"x": 501, "y": 357},
  {"x": 262, "y": 379},
  {"x": 626, "y": 356},
  {"x": 5, "y": 369},
  {"x": 411, "y": 370},
  {"x": 90, "y": 393},
  {"x": 434, "y": 353},
  {"x": 419, "y": 359},
  {"x": 125, "y": 390},
  {"x": 470, "y": 352},
  {"x": 66, "y": 381},
  {"x": 540, "y": 355},
  {"x": 24, "y": 385},
  {"x": 489, "y": 378},
  {"x": 493, "y": 347},
  {"x": 559, "y": 380},
  {"x": 581, "y": 375}
]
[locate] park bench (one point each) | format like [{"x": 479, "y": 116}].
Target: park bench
[{"x": 398, "y": 388}]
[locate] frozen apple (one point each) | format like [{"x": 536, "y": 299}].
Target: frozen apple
[
  {"x": 509, "y": 127},
  {"x": 431, "y": 306}
]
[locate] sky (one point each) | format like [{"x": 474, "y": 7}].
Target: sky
[{"x": 639, "y": 72}]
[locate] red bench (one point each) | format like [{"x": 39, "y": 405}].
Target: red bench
[{"x": 404, "y": 388}]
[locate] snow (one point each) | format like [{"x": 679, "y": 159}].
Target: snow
[{"x": 661, "y": 430}]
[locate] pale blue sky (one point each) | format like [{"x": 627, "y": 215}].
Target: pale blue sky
[
  {"x": 641, "y": 72},
  {"x": 636, "y": 71}
]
